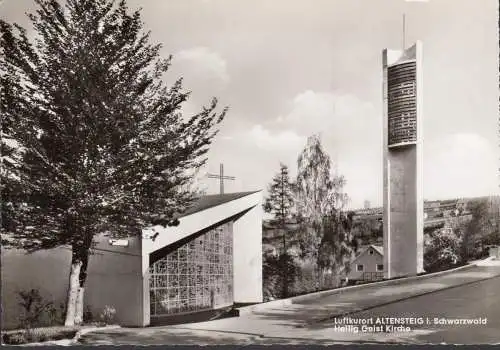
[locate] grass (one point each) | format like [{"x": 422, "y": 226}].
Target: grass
[
  {"x": 36, "y": 335},
  {"x": 42, "y": 334}
]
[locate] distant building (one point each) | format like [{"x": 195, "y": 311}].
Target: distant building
[
  {"x": 211, "y": 260},
  {"x": 370, "y": 213},
  {"x": 368, "y": 265},
  {"x": 367, "y": 205}
]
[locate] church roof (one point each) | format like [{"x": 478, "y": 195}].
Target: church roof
[{"x": 210, "y": 201}]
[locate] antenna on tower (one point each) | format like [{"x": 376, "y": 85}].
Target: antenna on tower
[{"x": 404, "y": 31}]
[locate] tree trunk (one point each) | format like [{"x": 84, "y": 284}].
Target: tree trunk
[
  {"x": 74, "y": 285},
  {"x": 79, "y": 306},
  {"x": 82, "y": 278},
  {"x": 77, "y": 278},
  {"x": 321, "y": 278}
]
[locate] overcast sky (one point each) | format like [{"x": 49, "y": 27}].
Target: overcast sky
[{"x": 291, "y": 68}]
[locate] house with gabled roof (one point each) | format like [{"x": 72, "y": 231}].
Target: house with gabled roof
[{"x": 368, "y": 265}]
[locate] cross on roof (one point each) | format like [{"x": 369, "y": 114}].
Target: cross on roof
[{"x": 221, "y": 177}]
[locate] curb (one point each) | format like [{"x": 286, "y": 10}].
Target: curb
[
  {"x": 289, "y": 301},
  {"x": 70, "y": 341},
  {"x": 84, "y": 331},
  {"x": 369, "y": 307}
]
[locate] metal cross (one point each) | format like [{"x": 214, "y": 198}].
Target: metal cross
[{"x": 221, "y": 177}]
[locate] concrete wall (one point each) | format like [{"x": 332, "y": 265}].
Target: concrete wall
[
  {"x": 369, "y": 261},
  {"x": 403, "y": 212},
  {"x": 247, "y": 251},
  {"x": 403, "y": 182},
  {"x": 113, "y": 279},
  {"x": 419, "y": 239},
  {"x": 47, "y": 271}
]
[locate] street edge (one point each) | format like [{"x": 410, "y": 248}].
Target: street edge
[
  {"x": 84, "y": 331},
  {"x": 289, "y": 301}
]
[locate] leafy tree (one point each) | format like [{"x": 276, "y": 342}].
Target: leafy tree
[
  {"x": 279, "y": 273},
  {"x": 478, "y": 228},
  {"x": 442, "y": 250},
  {"x": 317, "y": 192},
  {"x": 93, "y": 139},
  {"x": 321, "y": 201},
  {"x": 336, "y": 248},
  {"x": 367, "y": 229},
  {"x": 280, "y": 203}
]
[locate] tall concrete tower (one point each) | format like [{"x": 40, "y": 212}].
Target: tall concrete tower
[{"x": 403, "y": 192}]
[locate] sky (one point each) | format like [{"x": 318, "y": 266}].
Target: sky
[{"x": 288, "y": 69}]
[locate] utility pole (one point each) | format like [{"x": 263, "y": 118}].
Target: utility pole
[{"x": 404, "y": 31}]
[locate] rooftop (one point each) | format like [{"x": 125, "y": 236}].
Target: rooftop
[
  {"x": 378, "y": 248},
  {"x": 210, "y": 201}
]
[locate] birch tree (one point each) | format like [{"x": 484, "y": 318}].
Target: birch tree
[{"x": 321, "y": 202}]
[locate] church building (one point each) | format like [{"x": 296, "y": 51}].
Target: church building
[{"x": 211, "y": 260}]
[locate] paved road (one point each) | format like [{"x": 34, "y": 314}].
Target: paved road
[
  {"x": 479, "y": 300},
  {"x": 463, "y": 294}
]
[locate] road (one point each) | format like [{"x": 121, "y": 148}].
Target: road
[
  {"x": 465, "y": 294},
  {"x": 480, "y": 300}
]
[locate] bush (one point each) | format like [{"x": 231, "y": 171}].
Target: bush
[
  {"x": 36, "y": 335},
  {"x": 303, "y": 278},
  {"x": 57, "y": 314},
  {"x": 274, "y": 278},
  {"x": 108, "y": 314},
  {"x": 35, "y": 307},
  {"x": 88, "y": 316},
  {"x": 14, "y": 338},
  {"x": 442, "y": 250},
  {"x": 270, "y": 273}
]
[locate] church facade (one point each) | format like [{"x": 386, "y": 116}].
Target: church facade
[{"x": 211, "y": 260}]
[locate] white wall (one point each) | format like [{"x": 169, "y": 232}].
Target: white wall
[
  {"x": 247, "y": 244},
  {"x": 247, "y": 250}
]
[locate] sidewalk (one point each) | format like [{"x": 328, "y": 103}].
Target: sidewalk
[{"x": 306, "y": 321}]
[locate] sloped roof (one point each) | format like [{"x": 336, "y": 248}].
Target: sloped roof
[
  {"x": 378, "y": 248},
  {"x": 210, "y": 201}
]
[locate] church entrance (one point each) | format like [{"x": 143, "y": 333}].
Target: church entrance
[{"x": 195, "y": 277}]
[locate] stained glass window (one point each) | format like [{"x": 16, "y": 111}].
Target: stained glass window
[{"x": 197, "y": 276}]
